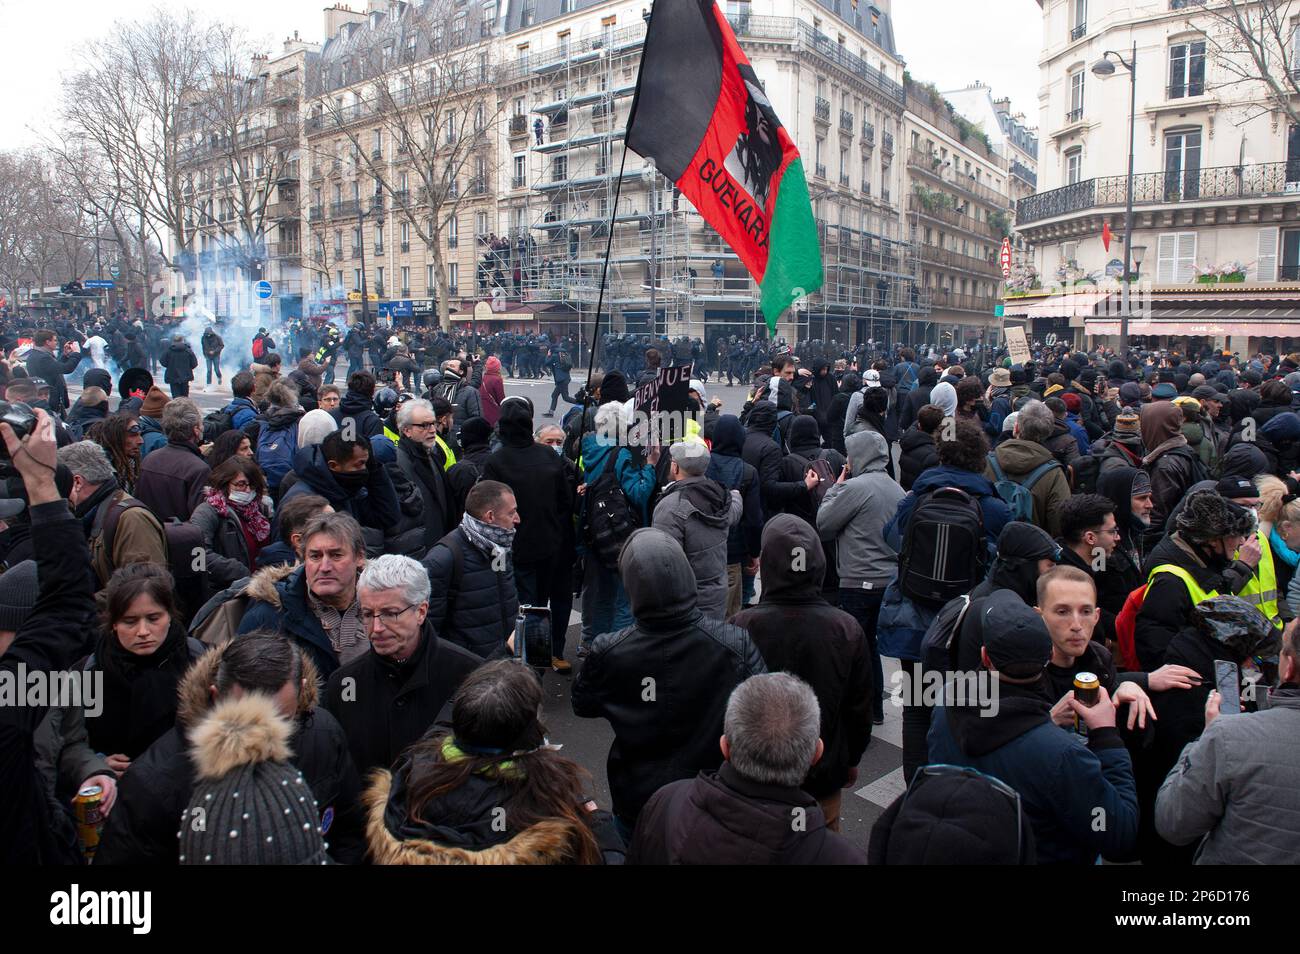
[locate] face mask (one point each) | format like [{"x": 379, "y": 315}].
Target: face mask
[
  {"x": 351, "y": 482},
  {"x": 559, "y": 449},
  {"x": 242, "y": 498}
]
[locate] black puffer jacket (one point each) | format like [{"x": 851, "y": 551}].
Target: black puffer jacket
[
  {"x": 693, "y": 663},
  {"x": 141, "y": 829},
  {"x": 918, "y": 455},
  {"x": 475, "y": 608},
  {"x": 798, "y": 632}
]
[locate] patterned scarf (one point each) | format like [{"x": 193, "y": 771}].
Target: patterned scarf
[
  {"x": 249, "y": 514},
  {"x": 492, "y": 540}
]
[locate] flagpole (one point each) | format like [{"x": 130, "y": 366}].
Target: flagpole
[{"x": 604, "y": 275}]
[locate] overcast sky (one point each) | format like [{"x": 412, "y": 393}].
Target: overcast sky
[{"x": 946, "y": 42}]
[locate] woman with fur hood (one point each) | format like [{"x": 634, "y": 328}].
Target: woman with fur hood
[
  {"x": 492, "y": 791},
  {"x": 142, "y": 826}
]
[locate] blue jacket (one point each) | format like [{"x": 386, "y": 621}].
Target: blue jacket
[
  {"x": 374, "y": 506},
  {"x": 242, "y": 411},
  {"x": 906, "y": 376},
  {"x": 1080, "y": 435},
  {"x": 1080, "y": 798},
  {"x": 286, "y": 611},
  {"x": 637, "y": 482},
  {"x": 996, "y": 514},
  {"x": 153, "y": 435}
]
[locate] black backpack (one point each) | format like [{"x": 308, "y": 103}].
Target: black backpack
[
  {"x": 1084, "y": 474},
  {"x": 609, "y": 519},
  {"x": 945, "y": 552},
  {"x": 939, "y": 645},
  {"x": 217, "y": 423}
]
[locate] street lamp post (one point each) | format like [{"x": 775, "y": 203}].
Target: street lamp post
[
  {"x": 377, "y": 210},
  {"x": 1101, "y": 69}
]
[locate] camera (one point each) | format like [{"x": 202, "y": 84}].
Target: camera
[{"x": 20, "y": 417}]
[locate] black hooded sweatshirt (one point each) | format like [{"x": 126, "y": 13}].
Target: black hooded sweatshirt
[
  {"x": 800, "y": 633},
  {"x": 1124, "y": 568},
  {"x": 536, "y": 475}
]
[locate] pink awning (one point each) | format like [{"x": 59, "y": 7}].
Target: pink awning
[{"x": 1206, "y": 328}]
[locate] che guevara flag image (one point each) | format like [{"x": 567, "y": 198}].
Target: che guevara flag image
[{"x": 701, "y": 114}]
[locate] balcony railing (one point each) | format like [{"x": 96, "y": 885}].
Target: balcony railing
[
  {"x": 868, "y": 133},
  {"x": 356, "y": 251},
  {"x": 1024, "y": 173},
  {"x": 887, "y": 142},
  {"x": 846, "y": 120},
  {"x": 405, "y": 247},
  {"x": 1079, "y": 32},
  {"x": 820, "y": 171},
  {"x": 377, "y": 153},
  {"x": 1259, "y": 180},
  {"x": 284, "y": 250},
  {"x": 951, "y": 217},
  {"x": 519, "y": 125},
  {"x": 1185, "y": 90},
  {"x": 954, "y": 301},
  {"x": 952, "y": 259},
  {"x": 317, "y": 213},
  {"x": 288, "y": 171},
  {"x": 516, "y": 182},
  {"x": 823, "y": 110},
  {"x": 344, "y": 210},
  {"x": 1074, "y": 115},
  {"x": 844, "y": 179}
]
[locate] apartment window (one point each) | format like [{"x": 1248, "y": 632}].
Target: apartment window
[
  {"x": 518, "y": 177},
  {"x": 406, "y": 279},
  {"x": 453, "y": 232},
  {"x": 1182, "y": 165},
  {"x": 379, "y": 143},
  {"x": 480, "y": 223},
  {"x": 528, "y": 15},
  {"x": 518, "y": 109},
  {"x": 1290, "y": 268},
  {"x": 490, "y": 13},
  {"x": 451, "y": 129},
  {"x": 406, "y": 234},
  {"x": 1187, "y": 69},
  {"x": 379, "y": 240},
  {"x": 1079, "y": 22},
  {"x": 559, "y": 168},
  {"x": 478, "y": 117},
  {"x": 338, "y": 243},
  {"x": 562, "y": 40},
  {"x": 1176, "y": 257},
  {"x": 1073, "y": 166},
  {"x": 338, "y": 279},
  {"x": 566, "y": 6},
  {"x": 338, "y": 193},
  {"x": 356, "y": 279},
  {"x": 356, "y": 236},
  {"x": 428, "y": 280},
  {"x": 379, "y": 280},
  {"x": 451, "y": 278},
  {"x": 1076, "y": 97}
]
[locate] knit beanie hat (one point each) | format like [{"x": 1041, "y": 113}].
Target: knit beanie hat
[
  {"x": 249, "y": 805},
  {"x": 98, "y": 378},
  {"x": 154, "y": 402},
  {"x": 18, "y": 591}
]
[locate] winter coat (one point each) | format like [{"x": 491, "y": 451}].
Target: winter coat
[
  {"x": 1124, "y": 567},
  {"x": 137, "y": 538},
  {"x": 428, "y": 508},
  {"x": 637, "y": 481},
  {"x": 763, "y": 453},
  {"x": 51, "y": 368},
  {"x": 1063, "y": 443},
  {"x": 460, "y": 827},
  {"x": 491, "y": 393},
  {"x": 141, "y": 829},
  {"x": 994, "y": 511},
  {"x": 918, "y": 454},
  {"x": 917, "y": 398},
  {"x": 728, "y": 469},
  {"x": 698, "y": 513},
  {"x": 212, "y": 344},
  {"x": 242, "y": 413},
  {"x": 278, "y": 602},
  {"x": 228, "y": 559},
  {"x": 1236, "y": 785},
  {"x": 1167, "y": 606},
  {"x": 172, "y": 480},
  {"x": 694, "y": 663},
  {"x": 465, "y": 404},
  {"x": 800, "y": 633},
  {"x": 180, "y": 362},
  {"x": 388, "y": 706},
  {"x": 362, "y": 411},
  {"x": 805, "y": 447},
  {"x": 722, "y": 818},
  {"x": 374, "y": 506},
  {"x": 854, "y": 513},
  {"x": 82, "y": 417},
  {"x": 1062, "y": 780},
  {"x": 51, "y": 638},
  {"x": 478, "y": 613},
  {"x": 536, "y": 475},
  {"x": 1018, "y": 458}
]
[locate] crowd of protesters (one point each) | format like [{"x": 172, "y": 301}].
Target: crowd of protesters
[{"x": 313, "y": 615}]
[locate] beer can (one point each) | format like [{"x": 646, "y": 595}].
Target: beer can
[
  {"x": 90, "y": 819},
  {"x": 1087, "y": 690}
]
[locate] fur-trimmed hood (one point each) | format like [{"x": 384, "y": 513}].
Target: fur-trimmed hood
[
  {"x": 239, "y": 732},
  {"x": 545, "y": 843},
  {"x": 194, "y": 704},
  {"x": 261, "y": 586}
]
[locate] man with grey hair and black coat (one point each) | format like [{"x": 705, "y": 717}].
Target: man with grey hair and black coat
[
  {"x": 751, "y": 810},
  {"x": 173, "y": 478},
  {"x": 662, "y": 682},
  {"x": 388, "y": 698},
  {"x": 698, "y": 513}
]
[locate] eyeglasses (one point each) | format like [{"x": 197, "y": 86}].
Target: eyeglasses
[
  {"x": 422, "y": 425},
  {"x": 133, "y": 429},
  {"x": 240, "y": 485},
  {"x": 387, "y": 617},
  {"x": 944, "y": 770}
]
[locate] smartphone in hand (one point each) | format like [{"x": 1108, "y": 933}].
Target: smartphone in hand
[{"x": 1227, "y": 679}]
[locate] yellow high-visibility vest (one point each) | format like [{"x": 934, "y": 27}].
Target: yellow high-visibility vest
[
  {"x": 1261, "y": 591},
  {"x": 1193, "y": 588},
  {"x": 448, "y": 456}
]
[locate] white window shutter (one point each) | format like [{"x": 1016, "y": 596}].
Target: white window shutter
[
  {"x": 1186, "y": 268},
  {"x": 1166, "y": 247},
  {"x": 1267, "y": 256}
]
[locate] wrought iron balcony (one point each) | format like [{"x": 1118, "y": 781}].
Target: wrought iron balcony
[
  {"x": 1079, "y": 32},
  {"x": 846, "y": 120},
  {"x": 1160, "y": 188},
  {"x": 1074, "y": 115},
  {"x": 868, "y": 132},
  {"x": 823, "y": 110}
]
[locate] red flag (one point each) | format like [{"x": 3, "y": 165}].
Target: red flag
[{"x": 1106, "y": 235}]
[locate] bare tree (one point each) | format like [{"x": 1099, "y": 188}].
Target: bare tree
[
  {"x": 1253, "y": 43},
  {"x": 424, "y": 84},
  {"x": 126, "y": 106}
]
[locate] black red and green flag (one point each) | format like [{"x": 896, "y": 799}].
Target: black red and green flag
[{"x": 702, "y": 115}]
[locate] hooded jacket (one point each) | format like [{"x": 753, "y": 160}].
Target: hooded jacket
[
  {"x": 854, "y": 514},
  {"x": 995, "y": 512},
  {"x": 723, "y": 818},
  {"x": 536, "y": 475},
  {"x": 278, "y": 602},
  {"x": 1124, "y": 567},
  {"x": 698, "y": 513},
  {"x": 1018, "y": 458},
  {"x": 362, "y": 411},
  {"x": 180, "y": 362},
  {"x": 374, "y": 506},
  {"x": 693, "y": 662},
  {"x": 728, "y": 468},
  {"x": 800, "y": 633},
  {"x": 918, "y": 398},
  {"x": 141, "y": 829},
  {"x": 384, "y": 707},
  {"x": 1173, "y": 466},
  {"x": 764, "y": 455},
  {"x": 805, "y": 447},
  {"x": 918, "y": 454}
]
